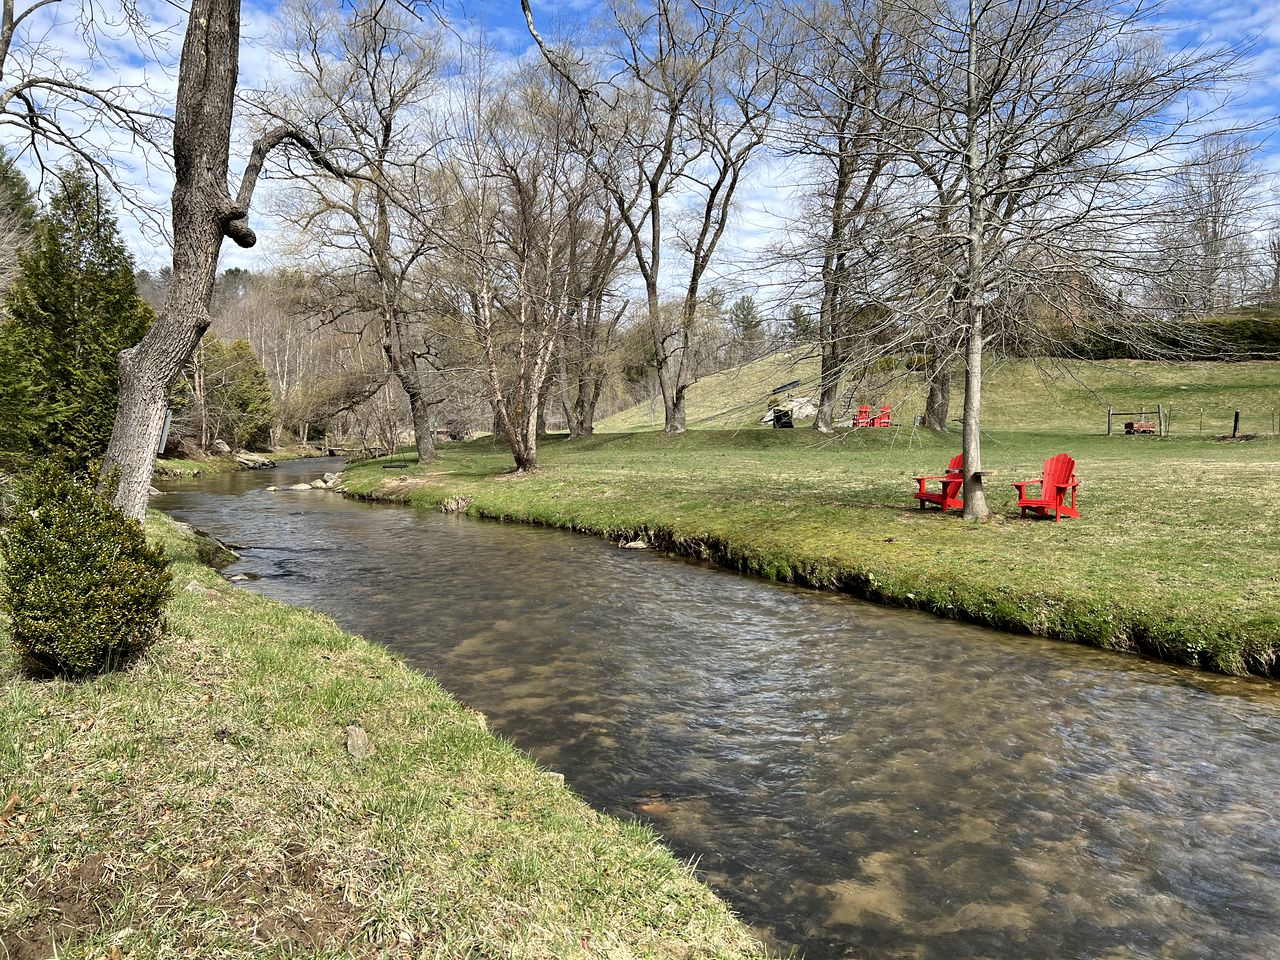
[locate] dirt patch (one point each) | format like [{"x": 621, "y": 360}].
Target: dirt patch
[{"x": 289, "y": 905}]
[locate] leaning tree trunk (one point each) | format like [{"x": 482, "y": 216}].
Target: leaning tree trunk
[
  {"x": 202, "y": 214},
  {"x": 938, "y": 403}
]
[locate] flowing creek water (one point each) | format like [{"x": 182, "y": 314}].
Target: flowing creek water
[{"x": 857, "y": 781}]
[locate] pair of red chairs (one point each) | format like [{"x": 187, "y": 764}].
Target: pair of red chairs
[
  {"x": 863, "y": 417},
  {"x": 1057, "y": 481}
]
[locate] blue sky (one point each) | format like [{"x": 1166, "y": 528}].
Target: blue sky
[{"x": 765, "y": 199}]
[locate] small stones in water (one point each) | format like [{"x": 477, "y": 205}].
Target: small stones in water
[
  {"x": 272, "y": 489},
  {"x": 455, "y": 505},
  {"x": 153, "y": 492},
  {"x": 330, "y": 479},
  {"x": 300, "y": 486},
  {"x": 635, "y": 545},
  {"x": 318, "y": 484},
  {"x": 358, "y": 742}
]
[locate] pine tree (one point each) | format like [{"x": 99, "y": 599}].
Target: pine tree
[{"x": 71, "y": 311}]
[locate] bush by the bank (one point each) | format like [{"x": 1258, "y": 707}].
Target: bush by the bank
[{"x": 82, "y": 588}]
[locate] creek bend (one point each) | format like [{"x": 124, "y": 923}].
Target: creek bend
[{"x": 856, "y": 781}]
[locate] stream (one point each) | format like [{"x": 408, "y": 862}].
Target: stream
[{"x": 857, "y": 781}]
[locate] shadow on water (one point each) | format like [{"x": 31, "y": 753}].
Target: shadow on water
[{"x": 858, "y": 781}]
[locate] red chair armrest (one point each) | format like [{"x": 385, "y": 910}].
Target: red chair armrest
[{"x": 1023, "y": 484}]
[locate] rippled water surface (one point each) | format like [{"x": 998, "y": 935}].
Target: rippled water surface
[{"x": 856, "y": 781}]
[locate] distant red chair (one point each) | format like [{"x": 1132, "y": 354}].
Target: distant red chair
[
  {"x": 1059, "y": 479},
  {"x": 883, "y": 418},
  {"x": 949, "y": 496},
  {"x": 863, "y": 417}
]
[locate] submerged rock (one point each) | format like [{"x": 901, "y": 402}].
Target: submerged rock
[
  {"x": 635, "y": 545},
  {"x": 300, "y": 486}
]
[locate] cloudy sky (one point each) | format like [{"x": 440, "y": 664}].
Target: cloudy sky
[{"x": 153, "y": 69}]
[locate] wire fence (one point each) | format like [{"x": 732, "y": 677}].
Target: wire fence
[{"x": 1182, "y": 420}]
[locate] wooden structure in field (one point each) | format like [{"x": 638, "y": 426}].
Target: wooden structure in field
[{"x": 1141, "y": 422}]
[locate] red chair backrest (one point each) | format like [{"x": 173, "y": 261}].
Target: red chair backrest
[
  {"x": 864, "y": 410},
  {"x": 1059, "y": 469},
  {"x": 957, "y": 464}
]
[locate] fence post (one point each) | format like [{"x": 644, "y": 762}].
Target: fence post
[
  {"x": 1109, "y": 411},
  {"x": 1160, "y": 418},
  {"x": 1235, "y": 426}
]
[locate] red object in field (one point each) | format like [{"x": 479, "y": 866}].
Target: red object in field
[
  {"x": 1059, "y": 477},
  {"x": 882, "y": 420},
  {"x": 863, "y": 417},
  {"x": 949, "y": 496}
]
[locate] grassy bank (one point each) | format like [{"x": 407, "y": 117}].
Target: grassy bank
[
  {"x": 263, "y": 784},
  {"x": 1174, "y": 555},
  {"x": 176, "y": 467}
]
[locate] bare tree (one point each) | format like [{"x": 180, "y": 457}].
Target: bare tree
[
  {"x": 365, "y": 78},
  {"x": 841, "y": 101},
  {"x": 1057, "y": 120},
  {"x": 685, "y": 103},
  {"x": 1206, "y": 249},
  {"x": 522, "y": 203}
]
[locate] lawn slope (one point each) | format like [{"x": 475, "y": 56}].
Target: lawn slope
[{"x": 1063, "y": 396}]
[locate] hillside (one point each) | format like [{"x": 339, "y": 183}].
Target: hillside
[{"x": 1060, "y": 396}]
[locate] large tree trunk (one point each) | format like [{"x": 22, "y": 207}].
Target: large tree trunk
[
  {"x": 422, "y": 410},
  {"x": 828, "y": 388},
  {"x": 938, "y": 403},
  {"x": 202, "y": 214}
]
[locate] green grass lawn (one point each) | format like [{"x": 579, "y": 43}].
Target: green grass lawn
[
  {"x": 207, "y": 803},
  {"x": 1068, "y": 397},
  {"x": 1175, "y": 554}
]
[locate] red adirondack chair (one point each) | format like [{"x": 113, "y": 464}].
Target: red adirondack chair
[
  {"x": 883, "y": 418},
  {"x": 949, "y": 496},
  {"x": 1059, "y": 478},
  {"x": 863, "y": 417}
]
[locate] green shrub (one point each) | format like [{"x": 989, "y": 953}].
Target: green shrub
[{"x": 83, "y": 589}]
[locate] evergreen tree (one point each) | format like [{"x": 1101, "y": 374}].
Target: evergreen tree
[
  {"x": 17, "y": 199},
  {"x": 71, "y": 311}
]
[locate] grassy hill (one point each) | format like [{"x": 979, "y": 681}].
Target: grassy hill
[{"x": 1068, "y": 397}]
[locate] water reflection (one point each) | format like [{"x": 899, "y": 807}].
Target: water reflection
[{"x": 857, "y": 781}]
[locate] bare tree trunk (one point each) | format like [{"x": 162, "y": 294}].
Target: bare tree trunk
[
  {"x": 938, "y": 404},
  {"x": 975, "y": 500},
  {"x": 202, "y": 214},
  {"x": 828, "y": 387},
  {"x": 422, "y": 410}
]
